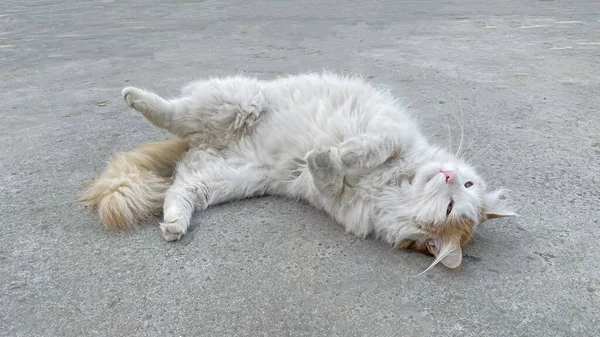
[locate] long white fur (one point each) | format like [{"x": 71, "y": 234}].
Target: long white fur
[{"x": 335, "y": 141}]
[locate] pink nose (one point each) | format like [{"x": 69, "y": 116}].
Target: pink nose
[{"x": 449, "y": 176}]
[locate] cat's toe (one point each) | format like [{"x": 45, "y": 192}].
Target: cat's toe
[
  {"x": 334, "y": 155},
  {"x": 240, "y": 119},
  {"x": 246, "y": 116},
  {"x": 172, "y": 231}
]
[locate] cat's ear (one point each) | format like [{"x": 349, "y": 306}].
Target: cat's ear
[
  {"x": 496, "y": 206},
  {"x": 447, "y": 252}
]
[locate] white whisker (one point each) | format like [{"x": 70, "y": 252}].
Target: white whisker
[
  {"x": 479, "y": 153},
  {"x": 450, "y": 145},
  {"x": 460, "y": 124}
]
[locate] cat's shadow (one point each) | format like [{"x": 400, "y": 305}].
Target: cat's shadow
[{"x": 291, "y": 228}]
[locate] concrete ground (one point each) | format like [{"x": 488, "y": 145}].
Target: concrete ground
[{"x": 522, "y": 76}]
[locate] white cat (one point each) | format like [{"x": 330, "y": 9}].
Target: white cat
[{"x": 336, "y": 142}]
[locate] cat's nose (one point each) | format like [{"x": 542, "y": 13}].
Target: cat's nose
[{"x": 450, "y": 177}]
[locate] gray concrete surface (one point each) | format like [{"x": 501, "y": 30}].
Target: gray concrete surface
[{"x": 523, "y": 77}]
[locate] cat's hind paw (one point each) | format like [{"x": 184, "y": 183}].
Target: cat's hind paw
[
  {"x": 173, "y": 230},
  {"x": 247, "y": 116},
  {"x": 131, "y": 96}
]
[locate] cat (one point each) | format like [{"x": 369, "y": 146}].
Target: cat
[{"x": 335, "y": 141}]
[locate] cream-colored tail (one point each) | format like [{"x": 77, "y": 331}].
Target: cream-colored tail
[{"x": 133, "y": 186}]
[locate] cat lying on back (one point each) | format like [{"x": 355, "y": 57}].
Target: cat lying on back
[{"x": 336, "y": 142}]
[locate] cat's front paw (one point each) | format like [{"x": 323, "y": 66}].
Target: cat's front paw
[
  {"x": 327, "y": 171},
  {"x": 352, "y": 152},
  {"x": 323, "y": 163},
  {"x": 173, "y": 230}
]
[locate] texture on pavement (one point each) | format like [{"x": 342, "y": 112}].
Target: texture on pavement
[{"x": 522, "y": 77}]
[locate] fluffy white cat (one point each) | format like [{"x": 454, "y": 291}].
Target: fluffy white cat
[{"x": 335, "y": 141}]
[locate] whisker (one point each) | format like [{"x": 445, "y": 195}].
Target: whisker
[
  {"x": 460, "y": 124},
  {"x": 373, "y": 197},
  {"x": 479, "y": 153},
  {"x": 450, "y": 137},
  {"x": 468, "y": 148},
  {"x": 387, "y": 218}
]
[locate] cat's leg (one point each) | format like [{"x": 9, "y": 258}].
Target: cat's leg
[
  {"x": 157, "y": 110},
  {"x": 386, "y": 136},
  {"x": 212, "y": 111},
  {"x": 327, "y": 170},
  {"x": 204, "y": 178}
]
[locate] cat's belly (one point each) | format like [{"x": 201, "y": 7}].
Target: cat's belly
[
  {"x": 282, "y": 144},
  {"x": 303, "y": 121}
]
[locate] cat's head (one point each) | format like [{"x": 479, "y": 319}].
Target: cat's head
[{"x": 441, "y": 205}]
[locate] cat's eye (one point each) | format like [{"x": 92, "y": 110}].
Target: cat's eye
[
  {"x": 468, "y": 184},
  {"x": 449, "y": 209}
]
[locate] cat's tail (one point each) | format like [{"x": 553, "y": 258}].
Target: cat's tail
[{"x": 133, "y": 186}]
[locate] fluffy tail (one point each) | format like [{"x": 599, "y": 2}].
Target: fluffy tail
[{"x": 133, "y": 186}]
